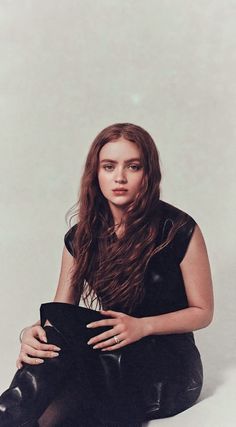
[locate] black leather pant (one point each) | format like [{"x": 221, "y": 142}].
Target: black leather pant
[
  {"x": 47, "y": 395},
  {"x": 156, "y": 377},
  {"x": 34, "y": 386}
]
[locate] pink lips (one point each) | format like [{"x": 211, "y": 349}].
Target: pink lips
[{"x": 119, "y": 191}]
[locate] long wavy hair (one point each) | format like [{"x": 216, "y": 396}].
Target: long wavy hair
[{"x": 108, "y": 270}]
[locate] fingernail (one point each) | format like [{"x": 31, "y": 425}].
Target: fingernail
[
  {"x": 57, "y": 348},
  {"x": 95, "y": 346},
  {"x": 89, "y": 325},
  {"x": 44, "y": 339},
  {"x": 40, "y": 361},
  {"x": 89, "y": 342}
]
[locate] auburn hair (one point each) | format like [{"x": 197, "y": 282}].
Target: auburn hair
[{"x": 107, "y": 270}]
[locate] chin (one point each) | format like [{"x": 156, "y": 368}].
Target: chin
[{"x": 119, "y": 202}]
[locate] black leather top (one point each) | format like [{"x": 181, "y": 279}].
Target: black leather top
[
  {"x": 163, "y": 281},
  {"x": 169, "y": 374},
  {"x": 161, "y": 374},
  {"x": 155, "y": 377}
]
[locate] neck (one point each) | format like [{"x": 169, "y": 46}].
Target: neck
[{"x": 117, "y": 214}]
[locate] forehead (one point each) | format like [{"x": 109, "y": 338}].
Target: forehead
[{"x": 120, "y": 149}]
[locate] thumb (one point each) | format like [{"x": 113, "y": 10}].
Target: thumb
[
  {"x": 18, "y": 364},
  {"x": 43, "y": 338},
  {"x": 42, "y": 334}
]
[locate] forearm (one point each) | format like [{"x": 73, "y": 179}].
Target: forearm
[{"x": 185, "y": 320}]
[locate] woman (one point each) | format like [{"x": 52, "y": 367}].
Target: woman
[{"x": 143, "y": 263}]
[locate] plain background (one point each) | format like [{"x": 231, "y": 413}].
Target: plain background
[{"x": 69, "y": 69}]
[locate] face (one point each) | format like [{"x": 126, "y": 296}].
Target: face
[{"x": 120, "y": 167}]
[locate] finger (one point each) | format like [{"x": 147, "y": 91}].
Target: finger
[
  {"x": 103, "y": 322},
  {"x": 34, "y": 343},
  {"x": 123, "y": 343},
  {"x": 18, "y": 364},
  {"x": 40, "y": 333},
  {"x": 109, "y": 342},
  {"x": 38, "y": 353},
  {"x": 102, "y": 336},
  {"x": 30, "y": 360}
]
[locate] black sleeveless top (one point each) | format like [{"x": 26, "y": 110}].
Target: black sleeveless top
[
  {"x": 174, "y": 375},
  {"x": 163, "y": 281}
]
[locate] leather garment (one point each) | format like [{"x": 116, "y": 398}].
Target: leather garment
[
  {"x": 155, "y": 377},
  {"x": 158, "y": 376},
  {"x": 34, "y": 386},
  {"x": 141, "y": 381}
]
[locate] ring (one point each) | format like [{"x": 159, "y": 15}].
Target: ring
[{"x": 116, "y": 339}]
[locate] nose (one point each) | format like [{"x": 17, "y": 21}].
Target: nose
[{"x": 120, "y": 176}]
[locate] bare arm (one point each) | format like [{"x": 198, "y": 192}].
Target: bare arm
[
  {"x": 198, "y": 285},
  {"x": 64, "y": 293}
]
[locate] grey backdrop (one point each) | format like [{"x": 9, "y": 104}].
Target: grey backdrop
[{"x": 70, "y": 68}]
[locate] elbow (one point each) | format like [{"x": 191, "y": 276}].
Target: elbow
[
  {"x": 203, "y": 317},
  {"x": 207, "y": 317}
]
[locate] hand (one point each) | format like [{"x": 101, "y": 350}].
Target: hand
[
  {"x": 31, "y": 346},
  {"x": 126, "y": 328}
]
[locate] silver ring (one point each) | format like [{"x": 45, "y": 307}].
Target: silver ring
[{"x": 116, "y": 339}]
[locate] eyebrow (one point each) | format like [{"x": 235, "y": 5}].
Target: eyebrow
[{"x": 126, "y": 161}]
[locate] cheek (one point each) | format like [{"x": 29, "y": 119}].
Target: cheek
[
  {"x": 137, "y": 182},
  {"x": 102, "y": 180}
]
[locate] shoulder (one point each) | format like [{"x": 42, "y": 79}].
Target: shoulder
[
  {"x": 171, "y": 216},
  {"x": 171, "y": 212},
  {"x": 68, "y": 238}
]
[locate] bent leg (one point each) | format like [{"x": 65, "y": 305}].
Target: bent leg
[
  {"x": 34, "y": 386},
  {"x": 72, "y": 407}
]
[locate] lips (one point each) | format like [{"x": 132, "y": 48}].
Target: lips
[{"x": 119, "y": 191}]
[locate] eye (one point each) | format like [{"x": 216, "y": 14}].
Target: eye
[
  {"x": 107, "y": 167},
  {"x": 135, "y": 167}
]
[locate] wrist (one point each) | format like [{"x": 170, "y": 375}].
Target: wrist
[
  {"x": 146, "y": 326},
  {"x": 21, "y": 333}
]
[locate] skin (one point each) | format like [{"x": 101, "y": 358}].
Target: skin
[
  {"x": 119, "y": 173},
  {"x": 195, "y": 270}
]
